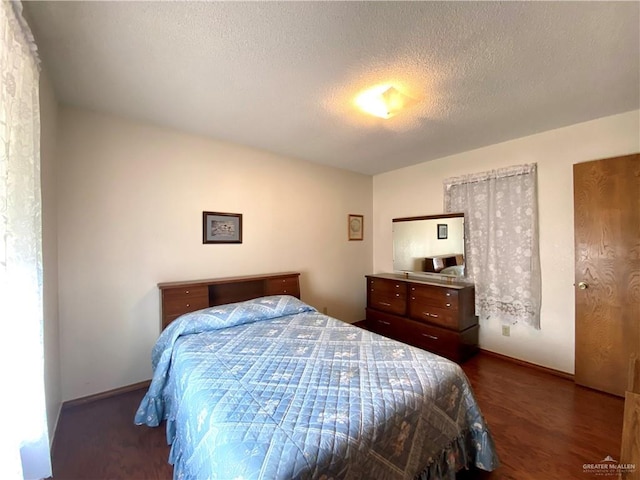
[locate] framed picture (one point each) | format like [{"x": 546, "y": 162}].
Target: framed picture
[
  {"x": 220, "y": 227},
  {"x": 442, "y": 231},
  {"x": 356, "y": 227}
]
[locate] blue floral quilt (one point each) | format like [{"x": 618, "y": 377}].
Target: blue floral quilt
[{"x": 271, "y": 389}]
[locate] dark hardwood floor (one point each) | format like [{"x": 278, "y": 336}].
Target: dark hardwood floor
[{"x": 544, "y": 427}]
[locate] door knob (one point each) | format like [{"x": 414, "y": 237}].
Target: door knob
[{"x": 583, "y": 285}]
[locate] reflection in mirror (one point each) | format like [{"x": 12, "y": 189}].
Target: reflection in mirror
[{"x": 431, "y": 244}]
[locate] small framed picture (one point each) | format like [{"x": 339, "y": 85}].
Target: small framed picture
[
  {"x": 442, "y": 231},
  {"x": 218, "y": 227},
  {"x": 356, "y": 227}
]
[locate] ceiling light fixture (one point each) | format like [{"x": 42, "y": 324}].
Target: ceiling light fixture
[{"x": 383, "y": 101}]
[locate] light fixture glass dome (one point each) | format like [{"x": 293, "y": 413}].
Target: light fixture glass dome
[{"x": 383, "y": 101}]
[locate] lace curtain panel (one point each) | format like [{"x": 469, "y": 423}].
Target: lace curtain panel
[
  {"x": 24, "y": 447},
  {"x": 503, "y": 259}
]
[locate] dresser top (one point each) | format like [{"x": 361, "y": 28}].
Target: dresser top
[{"x": 401, "y": 277}]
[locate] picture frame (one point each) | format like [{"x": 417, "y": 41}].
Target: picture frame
[
  {"x": 219, "y": 227},
  {"x": 443, "y": 231},
  {"x": 355, "y": 226}
]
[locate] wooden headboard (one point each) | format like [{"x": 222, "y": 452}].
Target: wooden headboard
[
  {"x": 437, "y": 263},
  {"x": 178, "y": 298}
]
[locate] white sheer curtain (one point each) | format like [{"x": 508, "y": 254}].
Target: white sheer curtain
[
  {"x": 501, "y": 222},
  {"x": 24, "y": 452}
]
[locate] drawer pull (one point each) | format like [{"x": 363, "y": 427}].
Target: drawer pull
[
  {"x": 432, "y": 337},
  {"x": 397, "y": 294},
  {"x": 448, "y": 294},
  {"x": 448, "y": 304},
  {"x": 385, "y": 304},
  {"x": 427, "y": 314},
  {"x": 434, "y": 315},
  {"x": 187, "y": 292},
  {"x": 188, "y": 304},
  {"x": 383, "y": 322}
]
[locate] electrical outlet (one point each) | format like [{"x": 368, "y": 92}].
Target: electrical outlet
[{"x": 506, "y": 330}]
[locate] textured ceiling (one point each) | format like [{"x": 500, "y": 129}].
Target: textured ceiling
[{"x": 281, "y": 76}]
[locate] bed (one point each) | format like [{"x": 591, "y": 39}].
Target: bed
[{"x": 272, "y": 389}]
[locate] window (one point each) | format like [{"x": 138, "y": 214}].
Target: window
[{"x": 503, "y": 259}]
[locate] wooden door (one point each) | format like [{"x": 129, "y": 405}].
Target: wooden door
[{"x": 607, "y": 270}]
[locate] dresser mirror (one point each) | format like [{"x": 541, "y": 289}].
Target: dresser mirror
[{"x": 429, "y": 245}]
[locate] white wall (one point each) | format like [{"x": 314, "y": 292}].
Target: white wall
[
  {"x": 418, "y": 190},
  {"x": 48, "y": 135},
  {"x": 131, "y": 198}
]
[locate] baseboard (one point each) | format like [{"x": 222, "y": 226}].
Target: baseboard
[
  {"x": 523, "y": 363},
  {"x": 108, "y": 394}
]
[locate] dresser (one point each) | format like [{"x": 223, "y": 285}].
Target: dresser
[
  {"x": 178, "y": 298},
  {"x": 436, "y": 316}
]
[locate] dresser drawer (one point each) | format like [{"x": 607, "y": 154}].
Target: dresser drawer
[
  {"x": 387, "y": 287},
  {"x": 437, "y": 340},
  {"x": 381, "y": 323},
  {"x": 391, "y": 304},
  {"x": 437, "y": 296},
  {"x": 456, "y": 346},
  {"x": 424, "y": 312},
  {"x": 387, "y": 296},
  {"x": 176, "y": 301},
  {"x": 185, "y": 292},
  {"x": 388, "y": 325},
  {"x": 282, "y": 286}
]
